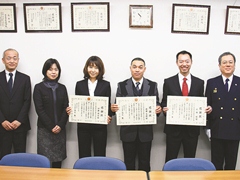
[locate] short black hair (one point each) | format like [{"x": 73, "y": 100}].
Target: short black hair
[
  {"x": 47, "y": 65},
  {"x": 183, "y": 52},
  {"x": 226, "y": 54},
  {"x": 138, "y": 59}
]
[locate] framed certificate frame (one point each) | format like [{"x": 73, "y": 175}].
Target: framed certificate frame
[
  {"x": 188, "y": 18},
  {"x": 141, "y": 16},
  {"x": 232, "y": 25},
  {"x": 90, "y": 16},
  {"x": 8, "y": 20},
  {"x": 42, "y": 17}
]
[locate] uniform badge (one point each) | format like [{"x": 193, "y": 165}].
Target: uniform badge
[{"x": 215, "y": 90}]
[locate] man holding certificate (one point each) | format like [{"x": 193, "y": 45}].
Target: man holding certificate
[
  {"x": 137, "y": 139},
  {"x": 182, "y": 84}
]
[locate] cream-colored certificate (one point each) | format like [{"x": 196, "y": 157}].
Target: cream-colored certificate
[
  {"x": 136, "y": 110},
  {"x": 88, "y": 109},
  {"x": 186, "y": 110}
]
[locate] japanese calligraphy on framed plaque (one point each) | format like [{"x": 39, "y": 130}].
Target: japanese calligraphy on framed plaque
[
  {"x": 187, "y": 18},
  {"x": 90, "y": 16},
  {"x": 8, "y": 21},
  {"x": 232, "y": 25},
  {"x": 42, "y": 17}
]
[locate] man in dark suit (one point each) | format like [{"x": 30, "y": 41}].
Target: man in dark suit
[
  {"x": 15, "y": 99},
  {"x": 137, "y": 139},
  {"x": 223, "y": 94},
  {"x": 177, "y": 135}
]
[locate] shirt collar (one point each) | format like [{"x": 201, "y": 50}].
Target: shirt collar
[
  {"x": 134, "y": 81},
  {"x": 230, "y": 78},
  {"x": 180, "y": 76},
  {"x": 7, "y": 72},
  {"x": 93, "y": 83}
]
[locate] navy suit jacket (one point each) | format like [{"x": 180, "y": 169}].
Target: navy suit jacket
[
  {"x": 171, "y": 87},
  {"x": 145, "y": 132},
  {"x": 15, "y": 106},
  {"x": 224, "y": 121},
  {"x": 103, "y": 88}
]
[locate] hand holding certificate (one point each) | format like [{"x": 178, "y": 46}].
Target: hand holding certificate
[
  {"x": 186, "y": 110},
  {"x": 136, "y": 110},
  {"x": 88, "y": 109}
]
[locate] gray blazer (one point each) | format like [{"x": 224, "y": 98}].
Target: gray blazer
[{"x": 145, "y": 132}]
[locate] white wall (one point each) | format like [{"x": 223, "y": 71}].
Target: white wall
[{"x": 158, "y": 46}]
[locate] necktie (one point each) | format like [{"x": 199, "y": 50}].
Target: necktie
[
  {"x": 137, "y": 87},
  {"x": 184, "y": 87},
  {"x": 10, "y": 82},
  {"x": 226, "y": 84}
]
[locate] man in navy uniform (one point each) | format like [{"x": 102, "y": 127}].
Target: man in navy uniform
[{"x": 223, "y": 125}]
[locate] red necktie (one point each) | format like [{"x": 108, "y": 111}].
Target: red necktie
[{"x": 184, "y": 87}]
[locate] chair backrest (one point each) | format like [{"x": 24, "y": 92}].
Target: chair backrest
[
  {"x": 25, "y": 159},
  {"x": 189, "y": 164},
  {"x": 99, "y": 163}
]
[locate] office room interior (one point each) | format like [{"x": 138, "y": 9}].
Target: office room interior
[{"x": 158, "y": 46}]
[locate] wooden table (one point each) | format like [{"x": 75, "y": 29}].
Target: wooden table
[
  {"x": 28, "y": 173},
  {"x": 194, "y": 175}
]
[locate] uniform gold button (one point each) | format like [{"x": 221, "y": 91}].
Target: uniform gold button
[
  {"x": 233, "y": 109},
  {"x": 232, "y": 119},
  {"x": 220, "y": 117},
  {"x": 221, "y": 107},
  {"x": 235, "y": 99},
  {"x": 219, "y": 98}
]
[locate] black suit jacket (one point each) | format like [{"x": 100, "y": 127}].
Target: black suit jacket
[
  {"x": 172, "y": 87},
  {"x": 144, "y": 132},
  {"x": 15, "y": 106},
  {"x": 103, "y": 88},
  {"x": 43, "y": 100},
  {"x": 224, "y": 120}
]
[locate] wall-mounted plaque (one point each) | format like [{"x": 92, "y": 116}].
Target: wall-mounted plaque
[{"x": 42, "y": 17}]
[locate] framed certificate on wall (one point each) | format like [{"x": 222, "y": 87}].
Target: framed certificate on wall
[
  {"x": 90, "y": 16},
  {"x": 8, "y": 20},
  {"x": 42, "y": 17},
  {"x": 232, "y": 25},
  {"x": 188, "y": 18}
]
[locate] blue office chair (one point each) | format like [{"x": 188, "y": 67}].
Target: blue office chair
[
  {"x": 99, "y": 163},
  {"x": 25, "y": 159},
  {"x": 189, "y": 164}
]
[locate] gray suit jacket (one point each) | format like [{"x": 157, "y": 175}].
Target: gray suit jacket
[{"x": 144, "y": 132}]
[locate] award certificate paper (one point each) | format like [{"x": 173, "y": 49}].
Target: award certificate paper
[
  {"x": 186, "y": 110},
  {"x": 136, "y": 110},
  {"x": 88, "y": 109}
]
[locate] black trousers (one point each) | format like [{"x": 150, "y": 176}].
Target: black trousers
[
  {"x": 173, "y": 144},
  {"x": 10, "y": 139},
  {"x": 88, "y": 135},
  {"x": 137, "y": 148},
  {"x": 224, "y": 153}
]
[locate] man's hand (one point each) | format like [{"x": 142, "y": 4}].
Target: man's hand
[
  {"x": 15, "y": 124},
  {"x": 114, "y": 108},
  {"x": 7, "y": 125},
  {"x": 158, "y": 109},
  {"x": 208, "y": 110}
]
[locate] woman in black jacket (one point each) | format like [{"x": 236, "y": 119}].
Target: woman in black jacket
[
  {"x": 93, "y": 85},
  {"x": 51, "y": 99}
]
